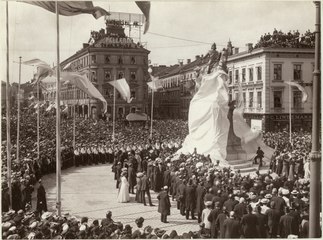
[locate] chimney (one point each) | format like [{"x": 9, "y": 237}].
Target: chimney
[
  {"x": 236, "y": 50},
  {"x": 197, "y": 57},
  {"x": 249, "y": 47},
  {"x": 188, "y": 61}
]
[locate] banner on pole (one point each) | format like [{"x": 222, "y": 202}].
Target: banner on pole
[
  {"x": 123, "y": 88},
  {"x": 304, "y": 93}
]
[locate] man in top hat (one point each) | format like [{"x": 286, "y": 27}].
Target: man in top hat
[
  {"x": 41, "y": 198},
  {"x": 145, "y": 189},
  {"x": 190, "y": 199},
  {"x": 131, "y": 178},
  {"x": 164, "y": 204}
]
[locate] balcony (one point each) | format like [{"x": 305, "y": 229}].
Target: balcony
[{"x": 253, "y": 110}]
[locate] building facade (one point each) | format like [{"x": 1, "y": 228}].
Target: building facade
[
  {"x": 110, "y": 55},
  {"x": 262, "y": 73},
  {"x": 268, "y": 100}
]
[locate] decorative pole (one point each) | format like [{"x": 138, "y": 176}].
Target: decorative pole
[
  {"x": 151, "y": 109},
  {"x": 315, "y": 155},
  {"x": 18, "y": 117},
  {"x": 38, "y": 123},
  {"x": 290, "y": 115},
  {"x": 8, "y": 113},
  {"x": 58, "y": 122}
]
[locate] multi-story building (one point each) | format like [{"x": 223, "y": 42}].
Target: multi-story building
[
  {"x": 110, "y": 55},
  {"x": 166, "y": 99},
  {"x": 268, "y": 100},
  {"x": 262, "y": 73}
]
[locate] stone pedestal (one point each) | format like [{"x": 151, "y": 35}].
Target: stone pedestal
[{"x": 236, "y": 156}]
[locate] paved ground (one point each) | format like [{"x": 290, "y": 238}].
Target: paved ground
[{"x": 90, "y": 191}]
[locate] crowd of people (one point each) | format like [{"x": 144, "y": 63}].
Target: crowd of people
[
  {"x": 224, "y": 202},
  {"x": 287, "y": 40}
]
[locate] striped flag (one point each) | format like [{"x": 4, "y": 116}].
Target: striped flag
[
  {"x": 71, "y": 8},
  {"x": 304, "y": 93}
]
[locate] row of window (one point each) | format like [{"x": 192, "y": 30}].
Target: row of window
[
  {"x": 108, "y": 75},
  {"x": 278, "y": 99},
  {"x": 278, "y": 69},
  {"x": 243, "y": 74},
  {"x": 297, "y": 72},
  {"x": 108, "y": 59}
]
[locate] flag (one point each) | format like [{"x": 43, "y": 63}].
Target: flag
[
  {"x": 145, "y": 8},
  {"x": 155, "y": 84},
  {"x": 123, "y": 88},
  {"x": 84, "y": 84},
  {"x": 71, "y": 8},
  {"x": 304, "y": 93},
  {"x": 43, "y": 69}
]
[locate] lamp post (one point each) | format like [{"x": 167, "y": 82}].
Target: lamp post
[
  {"x": 151, "y": 107},
  {"x": 315, "y": 155}
]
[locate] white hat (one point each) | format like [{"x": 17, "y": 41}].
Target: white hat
[
  {"x": 82, "y": 227},
  {"x": 65, "y": 228},
  {"x": 264, "y": 200},
  {"x": 165, "y": 187},
  {"x": 208, "y": 203},
  {"x": 285, "y": 191},
  {"x": 33, "y": 225},
  {"x": 46, "y": 215},
  {"x": 31, "y": 235}
]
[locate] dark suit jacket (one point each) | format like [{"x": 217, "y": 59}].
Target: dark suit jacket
[
  {"x": 131, "y": 176},
  {"x": 190, "y": 197},
  {"x": 164, "y": 203},
  {"x": 232, "y": 228},
  {"x": 167, "y": 178},
  {"x": 145, "y": 184},
  {"x": 249, "y": 224},
  {"x": 200, "y": 192}
]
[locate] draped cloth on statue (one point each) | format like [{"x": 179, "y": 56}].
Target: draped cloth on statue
[
  {"x": 250, "y": 140},
  {"x": 207, "y": 120},
  {"x": 209, "y": 124}
]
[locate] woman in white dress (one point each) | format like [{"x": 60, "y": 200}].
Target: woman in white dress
[{"x": 123, "y": 195}]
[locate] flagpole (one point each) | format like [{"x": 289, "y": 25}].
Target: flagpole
[
  {"x": 58, "y": 120},
  {"x": 8, "y": 113},
  {"x": 114, "y": 111},
  {"x": 38, "y": 122},
  {"x": 152, "y": 105},
  {"x": 152, "y": 114},
  {"x": 18, "y": 117},
  {"x": 290, "y": 115},
  {"x": 74, "y": 124}
]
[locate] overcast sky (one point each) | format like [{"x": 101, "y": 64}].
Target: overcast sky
[{"x": 33, "y": 29}]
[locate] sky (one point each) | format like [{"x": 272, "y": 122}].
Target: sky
[{"x": 32, "y": 30}]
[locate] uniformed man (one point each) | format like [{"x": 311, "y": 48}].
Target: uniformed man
[
  {"x": 76, "y": 157},
  {"x": 83, "y": 155},
  {"x": 88, "y": 156}
]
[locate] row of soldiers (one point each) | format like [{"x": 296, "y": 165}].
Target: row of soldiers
[{"x": 88, "y": 155}]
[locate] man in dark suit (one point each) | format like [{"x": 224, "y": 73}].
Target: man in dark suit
[
  {"x": 164, "y": 204},
  {"x": 230, "y": 203},
  {"x": 145, "y": 188},
  {"x": 41, "y": 199},
  {"x": 241, "y": 208},
  {"x": 249, "y": 224},
  {"x": 117, "y": 174},
  {"x": 190, "y": 199},
  {"x": 131, "y": 178},
  {"x": 273, "y": 216},
  {"x": 212, "y": 218},
  {"x": 181, "y": 196},
  {"x": 167, "y": 178},
  {"x": 232, "y": 226},
  {"x": 200, "y": 192},
  {"x": 220, "y": 220}
]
